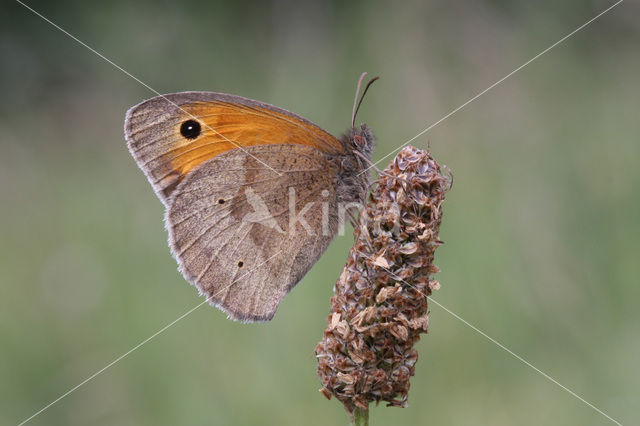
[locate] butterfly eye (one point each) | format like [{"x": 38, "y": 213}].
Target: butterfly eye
[
  {"x": 190, "y": 129},
  {"x": 220, "y": 201},
  {"x": 240, "y": 264}
]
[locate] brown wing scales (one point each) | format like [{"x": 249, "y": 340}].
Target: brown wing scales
[{"x": 244, "y": 267}]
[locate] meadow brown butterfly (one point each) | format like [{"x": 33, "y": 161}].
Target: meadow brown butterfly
[{"x": 253, "y": 193}]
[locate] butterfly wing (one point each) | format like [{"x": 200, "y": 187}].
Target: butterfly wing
[
  {"x": 233, "y": 232},
  {"x": 226, "y": 122}
]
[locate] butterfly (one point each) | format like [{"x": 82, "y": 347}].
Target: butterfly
[{"x": 252, "y": 193}]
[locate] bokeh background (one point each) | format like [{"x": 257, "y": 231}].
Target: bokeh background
[{"x": 541, "y": 228}]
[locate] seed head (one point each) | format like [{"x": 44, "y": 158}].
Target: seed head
[{"x": 379, "y": 306}]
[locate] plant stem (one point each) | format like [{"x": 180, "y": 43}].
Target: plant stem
[{"x": 360, "y": 417}]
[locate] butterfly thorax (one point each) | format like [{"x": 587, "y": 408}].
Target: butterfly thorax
[{"x": 352, "y": 180}]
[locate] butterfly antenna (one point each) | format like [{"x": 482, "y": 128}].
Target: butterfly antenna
[
  {"x": 356, "y": 104},
  {"x": 355, "y": 99}
]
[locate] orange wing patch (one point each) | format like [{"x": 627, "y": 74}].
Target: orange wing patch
[
  {"x": 226, "y": 122},
  {"x": 228, "y": 126}
]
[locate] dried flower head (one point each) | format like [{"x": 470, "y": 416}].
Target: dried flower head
[{"x": 379, "y": 308}]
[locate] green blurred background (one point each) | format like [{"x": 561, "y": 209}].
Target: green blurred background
[{"x": 541, "y": 228}]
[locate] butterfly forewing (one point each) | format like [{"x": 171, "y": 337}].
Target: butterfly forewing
[{"x": 167, "y": 148}]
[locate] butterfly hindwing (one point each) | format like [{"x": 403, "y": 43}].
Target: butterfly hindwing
[{"x": 231, "y": 229}]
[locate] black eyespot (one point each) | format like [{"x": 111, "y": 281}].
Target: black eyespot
[
  {"x": 240, "y": 264},
  {"x": 190, "y": 129},
  {"x": 220, "y": 201}
]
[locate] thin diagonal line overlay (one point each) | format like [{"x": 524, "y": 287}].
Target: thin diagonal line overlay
[
  {"x": 500, "y": 345},
  {"x": 404, "y": 144},
  {"x": 143, "y": 83},
  {"x": 494, "y": 84},
  {"x": 124, "y": 355}
]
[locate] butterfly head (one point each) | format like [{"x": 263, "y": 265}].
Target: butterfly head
[{"x": 360, "y": 139}]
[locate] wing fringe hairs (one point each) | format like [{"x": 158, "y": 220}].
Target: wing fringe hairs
[{"x": 379, "y": 306}]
